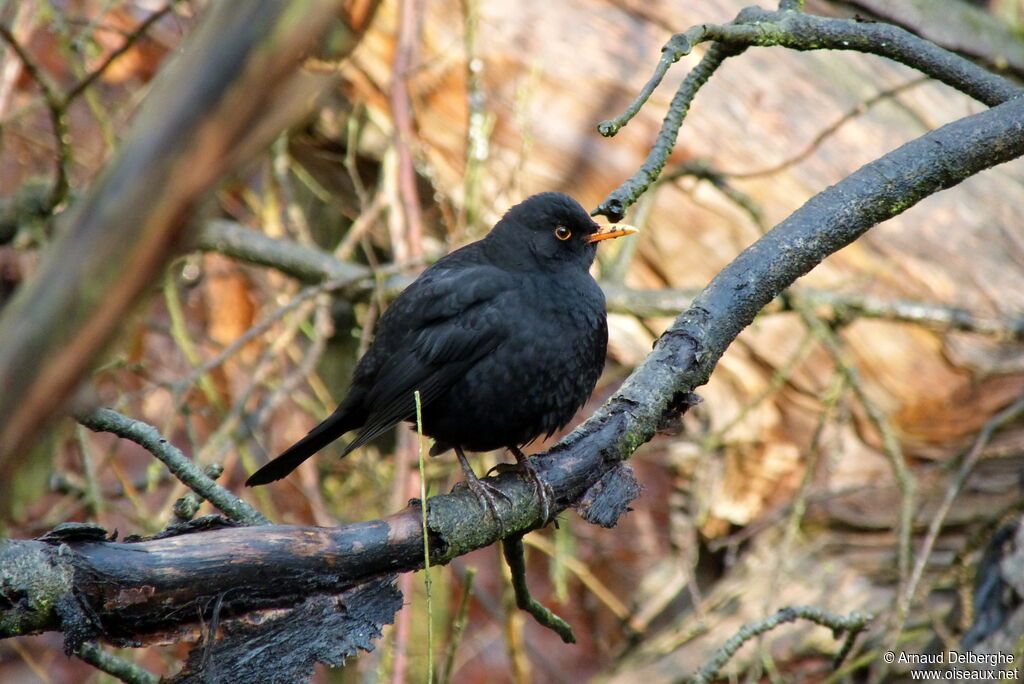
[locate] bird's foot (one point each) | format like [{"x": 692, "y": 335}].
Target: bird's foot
[
  {"x": 484, "y": 490},
  {"x": 544, "y": 492},
  {"x": 485, "y": 493}
]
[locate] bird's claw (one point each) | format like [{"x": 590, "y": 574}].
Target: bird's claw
[
  {"x": 485, "y": 493},
  {"x": 544, "y": 492}
]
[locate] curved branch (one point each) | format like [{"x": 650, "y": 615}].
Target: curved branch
[{"x": 797, "y": 31}]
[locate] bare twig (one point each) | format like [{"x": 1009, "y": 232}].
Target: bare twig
[
  {"x": 701, "y": 169},
  {"x": 480, "y": 124},
  {"x": 835, "y": 306},
  {"x": 57, "y": 108},
  {"x": 798, "y": 31},
  {"x": 675, "y": 49},
  {"x": 458, "y": 625},
  {"x": 830, "y": 130},
  {"x": 57, "y": 103},
  {"x": 130, "y": 39},
  {"x": 615, "y": 204},
  {"x": 108, "y": 420},
  {"x": 264, "y": 324},
  {"x": 852, "y": 624},
  {"x": 905, "y": 480},
  {"x": 1008, "y": 414},
  {"x": 114, "y": 666},
  {"x": 589, "y": 580}
]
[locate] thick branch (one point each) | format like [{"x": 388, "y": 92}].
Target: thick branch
[
  {"x": 968, "y": 28},
  {"x": 800, "y": 31}
]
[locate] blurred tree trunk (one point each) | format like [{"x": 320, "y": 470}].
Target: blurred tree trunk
[{"x": 236, "y": 84}]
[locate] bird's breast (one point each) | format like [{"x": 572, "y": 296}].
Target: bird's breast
[{"x": 542, "y": 371}]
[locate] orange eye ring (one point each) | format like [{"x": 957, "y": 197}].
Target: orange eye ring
[{"x": 562, "y": 233}]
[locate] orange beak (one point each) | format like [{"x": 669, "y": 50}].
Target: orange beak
[{"x": 612, "y": 231}]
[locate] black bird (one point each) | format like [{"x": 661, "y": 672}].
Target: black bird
[{"x": 504, "y": 339}]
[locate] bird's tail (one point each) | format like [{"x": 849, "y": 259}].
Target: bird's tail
[{"x": 334, "y": 426}]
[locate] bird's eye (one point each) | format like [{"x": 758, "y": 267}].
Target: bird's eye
[{"x": 562, "y": 233}]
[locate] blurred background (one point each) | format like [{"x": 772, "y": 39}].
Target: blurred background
[{"x": 830, "y": 432}]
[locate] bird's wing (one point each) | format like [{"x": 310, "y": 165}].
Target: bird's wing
[{"x": 448, "y": 322}]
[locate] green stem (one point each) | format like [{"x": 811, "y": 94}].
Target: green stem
[
  {"x": 515, "y": 556},
  {"x": 426, "y": 537}
]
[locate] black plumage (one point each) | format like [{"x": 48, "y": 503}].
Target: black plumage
[{"x": 504, "y": 339}]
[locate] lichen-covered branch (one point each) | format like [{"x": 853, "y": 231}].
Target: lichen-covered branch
[
  {"x": 114, "y": 666},
  {"x": 147, "y": 436},
  {"x": 796, "y": 31}
]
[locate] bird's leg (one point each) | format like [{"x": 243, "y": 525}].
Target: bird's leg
[
  {"x": 544, "y": 492},
  {"x": 484, "y": 491}
]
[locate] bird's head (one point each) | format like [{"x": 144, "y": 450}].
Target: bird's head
[{"x": 549, "y": 231}]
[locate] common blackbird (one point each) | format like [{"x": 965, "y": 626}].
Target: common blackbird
[{"x": 504, "y": 339}]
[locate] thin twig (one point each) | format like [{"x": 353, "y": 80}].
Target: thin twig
[
  {"x": 615, "y": 204},
  {"x": 57, "y": 108},
  {"x": 57, "y": 104},
  {"x": 835, "y": 306},
  {"x": 179, "y": 386},
  {"x": 402, "y": 115},
  {"x": 700, "y": 168},
  {"x": 481, "y": 124},
  {"x": 115, "y": 666},
  {"x": 1010, "y": 413},
  {"x": 853, "y": 624},
  {"x": 754, "y": 26},
  {"x": 858, "y": 110},
  {"x": 129, "y": 40},
  {"x": 905, "y": 480},
  {"x": 108, "y": 420},
  {"x": 589, "y": 580},
  {"x": 674, "y": 50}
]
